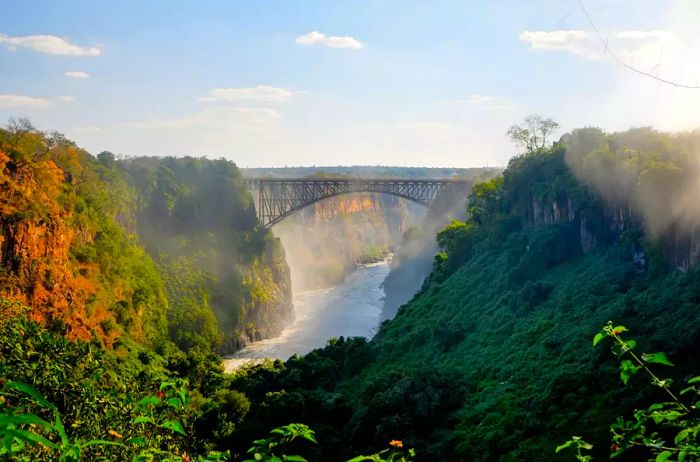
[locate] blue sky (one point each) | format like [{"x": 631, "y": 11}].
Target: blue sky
[{"x": 274, "y": 83}]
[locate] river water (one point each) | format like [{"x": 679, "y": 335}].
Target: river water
[{"x": 351, "y": 309}]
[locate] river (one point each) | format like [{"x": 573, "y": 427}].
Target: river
[{"x": 351, "y": 309}]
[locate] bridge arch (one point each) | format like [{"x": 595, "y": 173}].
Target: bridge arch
[{"x": 280, "y": 197}]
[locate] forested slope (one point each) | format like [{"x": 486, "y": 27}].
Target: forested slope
[
  {"x": 156, "y": 250},
  {"x": 64, "y": 252},
  {"x": 195, "y": 217},
  {"x": 492, "y": 359}
]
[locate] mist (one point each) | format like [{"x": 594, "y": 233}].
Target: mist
[
  {"x": 414, "y": 259},
  {"x": 654, "y": 175},
  {"x": 325, "y": 242}
]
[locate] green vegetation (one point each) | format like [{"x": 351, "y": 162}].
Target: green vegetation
[
  {"x": 97, "y": 404},
  {"x": 491, "y": 360},
  {"x": 156, "y": 250},
  {"x": 668, "y": 430},
  {"x": 226, "y": 279}
]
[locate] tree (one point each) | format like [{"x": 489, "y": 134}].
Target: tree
[{"x": 533, "y": 135}]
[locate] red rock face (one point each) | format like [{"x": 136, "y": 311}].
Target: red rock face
[
  {"x": 37, "y": 232},
  {"x": 345, "y": 205}
]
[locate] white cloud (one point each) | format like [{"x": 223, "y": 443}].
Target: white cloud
[
  {"x": 66, "y": 99},
  {"x": 259, "y": 93},
  {"x": 478, "y": 99},
  {"x": 661, "y": 53},
  {"x": 16, "y": 101},
  {"x": 573, "y": 41},
  {"x": 629, "y": 44},
  {"x": 490, "y": 103},
  {"x": 48, "y": 44},
  {"x": 77, "y": 75},
  {"x": 318, "y": 38}
]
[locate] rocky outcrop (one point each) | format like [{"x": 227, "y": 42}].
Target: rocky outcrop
[
  {"x": 269, "y": 307},
  {"x": 606, "y": 225},
  {"x": 70, "y": 262}
]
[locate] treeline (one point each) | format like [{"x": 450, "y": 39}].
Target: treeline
[
  {"x": 153, "y": 249},
  {"x": 369, "y": 171}
]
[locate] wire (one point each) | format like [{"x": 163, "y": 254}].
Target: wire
[{"x": 624, "y": 64}]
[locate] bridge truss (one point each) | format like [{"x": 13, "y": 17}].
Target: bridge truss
[{"x": 280, "y": 197}]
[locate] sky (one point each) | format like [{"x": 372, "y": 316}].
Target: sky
[{"x": 394, "y": 82}]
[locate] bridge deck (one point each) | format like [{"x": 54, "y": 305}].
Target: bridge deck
[{"x": 280, "y": 197}]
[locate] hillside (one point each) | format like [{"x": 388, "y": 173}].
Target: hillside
[
  {"x": 492, "y": 359},
  {"x": 197, "y": 220},
  {"x": 156, "y": 250}
]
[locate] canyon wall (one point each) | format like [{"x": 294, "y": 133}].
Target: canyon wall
[
  {"x": 327, "y": 240},
  {"x": 152, "y": 250}
]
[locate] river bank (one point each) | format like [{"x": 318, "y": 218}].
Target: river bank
[{"x": 351, "y": 309}]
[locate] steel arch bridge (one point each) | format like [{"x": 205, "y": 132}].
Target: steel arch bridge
[{"x": 280, "y": 197}]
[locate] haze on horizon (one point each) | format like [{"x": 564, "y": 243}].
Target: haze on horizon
[{"x": 343, "y": 83}]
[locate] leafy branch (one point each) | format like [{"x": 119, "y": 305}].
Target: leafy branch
[{"x": 670, "y": 429}]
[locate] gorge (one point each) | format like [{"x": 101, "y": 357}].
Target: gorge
[{"x": 122, "y": 273}]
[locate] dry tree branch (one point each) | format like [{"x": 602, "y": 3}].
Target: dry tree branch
[{"x": 624, "y": 64}]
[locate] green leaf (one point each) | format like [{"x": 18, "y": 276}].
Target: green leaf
[
  {"x": 143, "y": 419},
  {"x": 657, "y": 358},
  {"x": 598, "y": 337},
  {"x": 139, "y": 441},
  {"x": 619, "y": 329},
  {"x": 687, "y": 390},
  {"x": 30, "y": 437},
  {"x": 694, "y": 380},
  {"x": 293, "y": 459},
  {"x": 31, "y": 392},
  {"x": 101, "y": 443},
  {"x": 60, "y": 428},
  {"x": 682, "y": 435},
  {"x": 165, "y": 385},
  {"x": 627, "y": 370},
  {"x": 173, "y": 426},
  {"x": 663, "y": 456},
  {"x": 660, "y": 416},
  {"x": 149, "y": 400},
  {"x": 568, "y": 444},
  {"x": 25, "y": 419}
]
